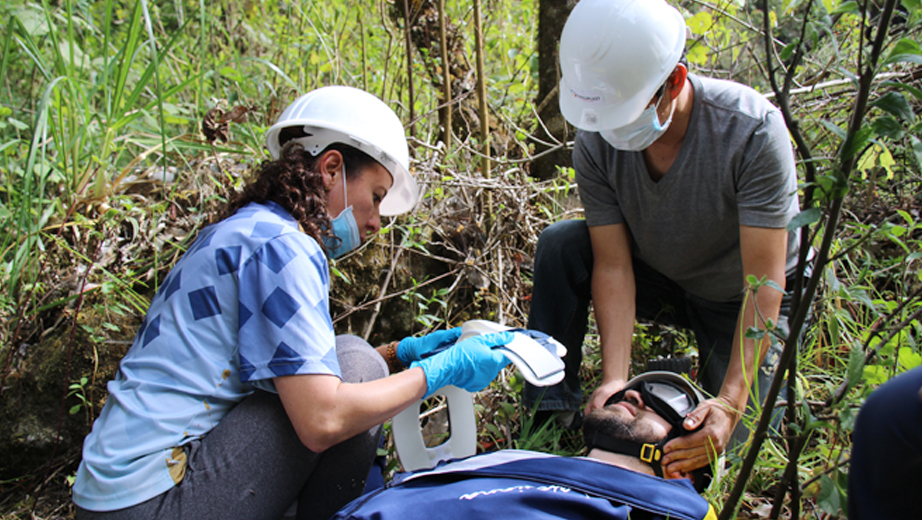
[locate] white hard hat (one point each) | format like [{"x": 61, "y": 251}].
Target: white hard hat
[
  {"x": 354, "y": 117},
  {"x": 614, "y": 55}
]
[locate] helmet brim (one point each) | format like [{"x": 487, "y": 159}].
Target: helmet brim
[{"x": 404, "y": 192}]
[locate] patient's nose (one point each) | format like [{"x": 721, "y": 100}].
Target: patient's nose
[{"x": 633, "y": 396}]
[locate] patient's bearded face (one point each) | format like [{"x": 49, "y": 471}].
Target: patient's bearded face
[{"x": 629, "y": 420}]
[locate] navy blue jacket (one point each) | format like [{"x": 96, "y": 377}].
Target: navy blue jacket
[{"x": 529, "y": 485}]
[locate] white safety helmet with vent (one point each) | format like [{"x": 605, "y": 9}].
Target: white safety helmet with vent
[
  {"x": 614, "y": 55},
  {"x": 339, "y": 114}
]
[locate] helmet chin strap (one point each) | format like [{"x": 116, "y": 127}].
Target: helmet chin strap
[{"x": 648, "y": 452}]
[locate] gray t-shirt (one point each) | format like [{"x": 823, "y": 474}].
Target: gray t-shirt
[{"x": 735, "y": 167}]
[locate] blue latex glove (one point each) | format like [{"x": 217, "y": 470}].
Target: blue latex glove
[
  {"x": 470, "y": 364},
  {"x": 413, "y": 349}
]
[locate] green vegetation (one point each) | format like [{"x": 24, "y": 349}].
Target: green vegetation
[{"x": 105, "y": 176}]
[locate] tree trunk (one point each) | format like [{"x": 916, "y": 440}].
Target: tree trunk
[
  {"x": 552, "y": 14},
  {"x": 425, "y": 35}
]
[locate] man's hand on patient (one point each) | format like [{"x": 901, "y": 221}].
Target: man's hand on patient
[
  {"x": 602, "y": 393},
  {"x": 690, "y": 452}
]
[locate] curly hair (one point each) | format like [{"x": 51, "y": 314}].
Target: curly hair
[{"x": 292, "y": 182}]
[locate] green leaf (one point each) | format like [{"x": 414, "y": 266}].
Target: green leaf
[
  {"x": 905, "y": 50},
  {"x": 868, "y": 160},
  {"x": 915, "y": 92},
  {"x": 847, "y": 418},
  {"x": 834, "y": 128},
  {"x": 32, "y": 20},
  {"x": 78, "y": 57},
  {"x": 886, "y": 126},
  {"x": 787, "y": 51},
  {"x": 846, "y": 7},
  {"x": 697, "y": 54},
  {"x": 876, "y": 374},
  {"x": 788, "y": 6},
  {"x": 774, "y": 285},
  {"x": 912, "y": 5},
  {"x": 896, "y": 231},
  {"x": 833, "y": 185},
  {"x": 908, "y": 358},
  {"x": 855, "y": 366},
  {"x": 75, "y": 408},
  {"x": 700, "y": 23},
  {"x": 805, "y": 218},
  {"x": 916, "y": 148},
  {"x": 231, "y": 74},
  {"x": 828, "y": 497},
  {"x": 886, "y": 161},
  {"x": 754, "y": 333},
  {"x": 896, "y": 104},
  {"x": 19, "y": 125},
  {"x": 857, "y": 143},
  {"x": 834, "y": 331}
]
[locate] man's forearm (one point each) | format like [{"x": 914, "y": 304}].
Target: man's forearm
[
  {"x": 748, "y": 353},
  {"x": 613, "y": 293}
]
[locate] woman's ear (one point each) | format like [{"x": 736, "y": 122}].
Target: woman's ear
[{"x": 331, "y": 167}]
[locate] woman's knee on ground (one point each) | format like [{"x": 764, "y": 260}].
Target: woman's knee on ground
[{"x": 358, "y": 360}]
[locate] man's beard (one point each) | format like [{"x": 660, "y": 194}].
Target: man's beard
[{"x": 616, "y": 426}]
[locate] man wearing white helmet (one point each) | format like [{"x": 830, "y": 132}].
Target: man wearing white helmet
[
  {"x": 688, "y": 184},
  {"x": 237, "y": 399}
]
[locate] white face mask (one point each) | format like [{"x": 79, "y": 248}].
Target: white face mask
[{"x": 640, "y": 134}]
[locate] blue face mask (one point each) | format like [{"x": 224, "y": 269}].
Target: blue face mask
[
  {"x": 344, "y": 228},
  {"x": 640, "y": 134}
]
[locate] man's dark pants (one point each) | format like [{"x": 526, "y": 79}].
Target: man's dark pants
[{"x": 560, "y": 307}]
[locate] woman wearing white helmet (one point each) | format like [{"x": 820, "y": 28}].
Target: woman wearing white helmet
[{"x": 237, "y": 398}]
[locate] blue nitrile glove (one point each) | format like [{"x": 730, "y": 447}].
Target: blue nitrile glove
[
  {"x": 413, "y": 349},
  {"x": 470, "y": 364}
]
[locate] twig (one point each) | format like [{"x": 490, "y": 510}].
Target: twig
[
  {"x": 412, "y": 103},
  {"x": 482, "y": 96},
  {"x": 826, "y": 471},
  {"x": 547, "y": 99},
  {"x": 836, "y": 83},
  {"x": 393, "y": 295},
  {"x": 568, "y": 144},
  {"x": 387, "y": 280},
  {"x": 446, "y": 75}
]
